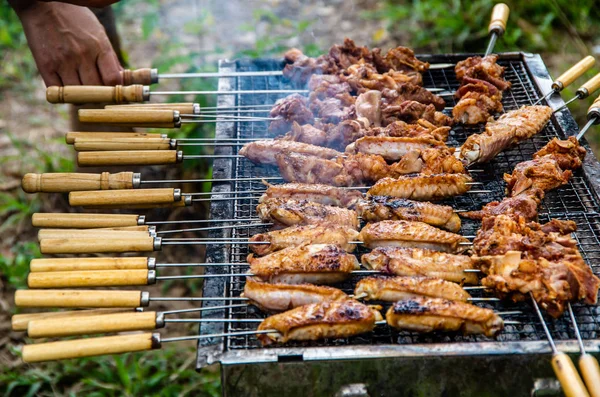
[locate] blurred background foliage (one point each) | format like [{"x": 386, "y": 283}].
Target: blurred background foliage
[{"x": 191, "y": 35}]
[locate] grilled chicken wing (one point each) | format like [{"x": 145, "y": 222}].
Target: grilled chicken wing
[
  {"x": 264, "y": 152},
  {"x": 433, "y": 314},
  {"x": 410, "y": 234},
  {"x": 393, "y": 289},
  {"x": 317, "y": 193},
  {"x": 278, "y": 297},
  {"x": 285, "y": 212},
  {"x": 307, "y": 263},
  {"x": 412, "y": 262},
  {"x": 392, "y": 148},
  {"x": 298, "y": 235},
  {"x": 331, "y": 319},
  {"x": 422, "y": 187},
  {"x": 381, "y": 208}
]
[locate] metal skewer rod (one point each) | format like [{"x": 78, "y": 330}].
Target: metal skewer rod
[
  {"x": 587, "y": 89},
  {"x": 593, "y": 115},
  {"x": 497, "y": 25},
  {"x": 568, "y": 77}
]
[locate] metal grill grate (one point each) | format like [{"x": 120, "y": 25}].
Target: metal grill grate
[{"x": 575, "y": 201}]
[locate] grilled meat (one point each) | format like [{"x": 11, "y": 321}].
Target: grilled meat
[
  {"x": 289, "y": 212},
  {"x": 392, "y": 148},
  {"x": 408, "y": 234},
  {"x": 322, "y": 194},
  {"x": 485, "y": 69},
  {"x": 380, "y": 208},
  {"x": 541, "y": 173},
  {"x": 411, "y": 262},
  {"x": 298, "y": 235},
  {"x": 510, "y": 128},
  {"x": 393, "y": 289},
  {"x": 525, "y": 205},
  {"x": 264, "y": 152},
  {"x": 440, "y": 160},
  {"x": 330, "y": 319},
  {"x": 422, "y": 187},
  {"x": 293, "y": 108},
  {"x": 569, "y": 154},
  {"x": 368, "y": 106},
  {"x": 411, "y": 112},
  {"x": 433, "y": 314},
  {"x": 278, "y": 297},
  {"x": 421, "y": 129},
  {"x": 306, "y": 263},
  {"x": 411, "y": 92},
  {"x": 476, "y": 107}
]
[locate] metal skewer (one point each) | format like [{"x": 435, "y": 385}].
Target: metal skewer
[
  {"x": 497, "y": 25},
  {"x": 568, "y": 77},
  {"x": 588, "y": 365},
  {"x": 587, "y": 89}
]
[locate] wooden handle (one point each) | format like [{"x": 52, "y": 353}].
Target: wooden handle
[
  {"x": 161, "y": 118},
  {"x": 89, "y": 325},
  {"x": 90, "y": 347},
  {"x": 144, "y": 76},
  {"x": 588, "y": 365},
  {"x": 121, "y": 157},
  {"x": 589, "y": 87},
  {"x": 78, "y": 298},
  {"x": 83, "y": 221},
  {"x": 45, "y": 234},
  {"x": 573, "y": 73},
  {"x": 99, "y": 144},
  {"x": 182, "y": 108},
  {"x": 124, "y": 197},
  {"x": 71, "y": 136},
  {"x": 568, "y": 376},
  {"x": 96, "y": 246},
  {"x": 64, "y": 182},
  {"x": 20, "y": 322},
  {"x": 84, "y": 264},
  {"x": 499, "y": 18},
  {"x": 90, "y": 278},
  {"x": 78, "y": 94}
]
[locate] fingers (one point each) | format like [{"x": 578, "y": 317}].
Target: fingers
[
  {"x": 89, "y": 73},
  {"x": 69, "y": 76},
  {"x": 109, "y": 67},
  {"x": 50, "y": 77}
]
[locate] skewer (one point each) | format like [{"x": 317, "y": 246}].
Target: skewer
[
  {"x": 564, "y": 368},
  {"x": 497, "y": 25},
  {"x": 568, "y": 77},
  {"x": 587, "y": 89},
  {"x": 593, "y": 116},
  {"x": 588, "y": 365}
]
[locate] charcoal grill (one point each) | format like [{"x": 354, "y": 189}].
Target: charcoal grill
[{"x": 386, "y": 361}]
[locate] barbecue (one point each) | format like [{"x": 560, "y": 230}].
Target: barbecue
[{"x": 406, "y": 237}]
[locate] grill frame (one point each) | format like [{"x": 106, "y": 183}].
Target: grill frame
[{"x": 560, "y": 206}]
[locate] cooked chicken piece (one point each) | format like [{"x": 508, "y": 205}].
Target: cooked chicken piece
[
  {"x": 307, "y": 133},
  {"x": 422, "y": 187},
  {"x": 433, "y": 314},
  {"x": 411, "y": 111},
  {"x": 421, "y": 129},
  {"x": 408, "y": 234},
  {"x": 484, "y": 68},
  {"x": 393, "y": 289},
  {"x": 475, "y": 108},
  {"x": 298, "y": 235},
  {"x": 541, "y": 173},
  {"x": 264, "y": 152},
  {"x": 317, "y": 193},
  {"x": 411, "y": 262},
  {"x": 528, "y": 120},
  {"x": 280, "y": 297},
  {"x": 525, "y": 205},
  {"x": 293, "y": 108},
  {"x": 381, "y": 208},
  {"x": 392, "y": 148},
  {"x": 307, "y": 263},
  {"x": 399, "y": 58},
  {"x": 368, "y": 105},
  {"x": 330, "y": 319},
  {"x": 289, "y": 212},
  {"x": 394, "y": 95},
  {"x": 440, "y": 160},
  {"x": 569, "y": 154}
]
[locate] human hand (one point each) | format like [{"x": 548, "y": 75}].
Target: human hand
[{"x": 69, "y": 45}]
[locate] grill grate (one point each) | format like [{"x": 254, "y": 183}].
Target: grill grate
[{"x": 575, "y": 201}]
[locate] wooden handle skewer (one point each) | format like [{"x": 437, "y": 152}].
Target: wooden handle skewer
[
  {"x": 85, "y": 221},
  {"x": 576, "y": 71},
  {"x": 71, "y": 136},
  {"x": 90, "y": 246},
  {"x": 90, "y": 278},
  {"x": 182, "y": 107},
  {"x": 115, "y": 144},
  {"x": 85, "y": 264},
  {"x": 45, "y": 234},
  {"x": 124, "y": 197},
  {"x": 157, "y": 118},
  {"x": 19, "y": 322},
  {"x": 79, "y": 94},
  {"x": 67, "y": 182},
  {"x": 145, "y": 76},
  {"x": 123, "y": 157},
  {"x": 497, "y": 25},
  {"x": 80, "y": 298}
]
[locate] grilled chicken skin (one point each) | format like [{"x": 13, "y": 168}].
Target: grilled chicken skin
[
  {"x": 297, "y": 235},
  {"x": 381, "y": 208},
  {"x": 264, "y": 152},
  {"x": 317, "y": 193},
  {"x": 330, "y": 319},
  {"x": 392, "y": 148},
  {"x": 408, "y": 234},
  {"x": 434, "y": 314},
  {"x": 411, "y": 262},
  {"x": 422, "y": 187},
  {"x": 393, "y": 289},
  {"x": 278, "y": 297},
  {"x": 307, "y": 263},
  {"x": 284, "y": 213}
]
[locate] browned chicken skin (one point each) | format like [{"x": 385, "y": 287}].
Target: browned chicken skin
[
  {"x": 289, "y": 212},
  {"x": 264, "y": 152},
  {"x": 391, "y": 148},
  {"x": 330, "y": 319},
  {"x": 393, "y": 289},
  {"x": 422, "y": 187},
  {"x": 318, "y": 193},
  {"x": 433, "y": 314}
]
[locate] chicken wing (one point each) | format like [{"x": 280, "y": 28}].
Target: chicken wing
[
  {"x": 409, "y": 234},
  {"x": 391, "y": 148},
  {"x": 317, "y": 193},
  {"x": 286, "y": 212},
  {"x": 434, "y": 314},
  {"x": 330, "y": 319},
  {"x": 422, "y": 187},
  {"x": 411, "y": 262},
  {"x": 393, "y": 289},
  {"x": 380, "y": 208},
  {"x": 264, "y": 152}
]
